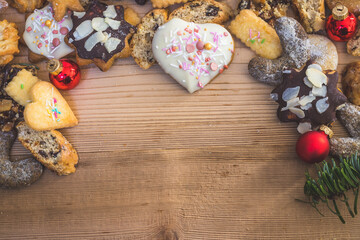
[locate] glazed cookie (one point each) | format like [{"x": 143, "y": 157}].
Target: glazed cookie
[
  {"x": 308, "y": 95},
  {"x": 203, "y": 11},
  {"x": 60, "y": 7},
  {"x": 351, "y": 82},
  {"x": 312, "y": 14},
  {"x": 48, "y": 109},
  {"x": 352, "y": 5},
  {"x": 166, "y": 3},
  {"x": 193, "y": 54},
  {"x": 9, "y": 40},
  {"x": 256, "y": 34},
  {"x": 26, "y": 6},
  {"x": 50, "y": 148},
  {"x": 102, "y": 34},
  {"x": 294, "y": 41},
  {"x": 141, "y": 42},
  {"x": 268, "y": 10},
  {"x": 45, "y": 37},
  {"x": 323, "y": 52}
]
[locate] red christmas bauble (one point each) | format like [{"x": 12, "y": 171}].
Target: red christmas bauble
[
  {"x": 313, "y": 146},
  {"x": 341, "y": 25},
  {"x": 64, "y": 74}
]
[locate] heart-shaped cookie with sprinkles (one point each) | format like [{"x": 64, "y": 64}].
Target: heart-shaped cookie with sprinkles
[
  {"x": 48, "y": 109},
  {"x": 193, "y": 54}
]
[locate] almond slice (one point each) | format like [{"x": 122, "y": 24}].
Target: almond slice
[
  {"x": 110, "y": 12},
  {"x": 315, "y": 66},
  {"x": 83, "y": 30},
  {"x": 316, "y": 77},
  {"x": 111, "y": 44},
  {"x": 99, "y": 24},
  {"x": 304, "y": 127},
  {"x": 93, "y": 40},
  {"x": 322, "y": 105},
  {"x": 306, "y": 99},
  {"x": 113, "y": 23},
  {"x": 290, "y": 93},
  {"x": 298, "y": 112},
  {"x": 319, "y": 92},
  {"x": 291, "y": 103}
]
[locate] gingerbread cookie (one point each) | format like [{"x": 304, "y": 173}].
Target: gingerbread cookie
[
  {"x": 268, "y": 10},
  {"x": 45, "y": 37},
  {"x": 193, "y": 54},
  {"x": 26, "y": 6},
  {"x": 351, "y": 82},
  {"x": 203, "y": 11},
  {"x": 256, "y": 34},
  {"x": 294, "y": 41},
  {"x": 9, "y": 40},
  {"x": 60, "y": 7},
  {"x": 308, "y": 95},
  {"x": 101, "y": 34}
]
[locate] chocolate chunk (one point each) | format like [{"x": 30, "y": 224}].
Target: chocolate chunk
[{"x": 212, "y": 11}]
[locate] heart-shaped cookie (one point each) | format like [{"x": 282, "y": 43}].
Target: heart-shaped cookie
[
  {"x": 193, "y": 54},
  {"x": 48, "y": 109}
]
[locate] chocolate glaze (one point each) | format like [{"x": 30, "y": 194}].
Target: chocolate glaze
[
  {"x": 294, "y": 79},
  {"x": 99, "y": 51}
]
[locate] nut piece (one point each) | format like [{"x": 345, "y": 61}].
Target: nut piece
[
  {"x": 290, "y": 93},
  {"x": 110, "y": 12},
  {"x": 99, "y": 24},
  {"x": 298, "y": 112},
  {"x": 316, "y": 77},
  {"x": 322, "y": 105},
  {"x": 304, "y": 127}
]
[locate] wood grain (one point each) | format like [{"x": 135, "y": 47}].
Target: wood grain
[{"x": 159, "y": 163}]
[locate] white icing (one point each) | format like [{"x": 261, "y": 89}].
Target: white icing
[
  {"x": 111, "y": 44},
  {"x": 83, "y": 30},
  {"x": 113, "y": 23},
  {"x": 110, "y": 12},
  {"x": 198, "y": 67},
  {"x": 39, "y": 37}
]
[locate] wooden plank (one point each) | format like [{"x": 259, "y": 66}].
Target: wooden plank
[{"x": 159, "y": 163}]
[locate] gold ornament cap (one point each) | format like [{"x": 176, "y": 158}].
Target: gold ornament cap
[
  {"x": 327, "y": 130},
  {"x": 54, "y": 66},
  {"x": 340, "y": 12}
]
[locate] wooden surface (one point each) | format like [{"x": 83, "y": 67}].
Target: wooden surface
[{"x": 159, "y": 163}]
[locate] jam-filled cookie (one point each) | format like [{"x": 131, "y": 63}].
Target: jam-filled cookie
[
  {"x": 101, "y": 34},
  {"x": 45, "y": 37}
]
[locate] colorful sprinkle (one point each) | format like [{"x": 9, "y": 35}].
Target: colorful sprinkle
[
  {"x": 22, "y": 86},
  {"x": 190, "y": 48},
  {"x": 29, "y": 29},
  {"x": 213, "y": 66},
  {"x": 208, "y": 46}
]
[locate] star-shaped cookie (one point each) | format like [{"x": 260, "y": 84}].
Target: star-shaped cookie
[
  {"x": 308, "y": 96},
  {"x": 60, "y": 7}
]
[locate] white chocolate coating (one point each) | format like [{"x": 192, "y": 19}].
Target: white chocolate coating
[
  {"x": 40, "y": 31},
  {"x": 193, "y": 54}
]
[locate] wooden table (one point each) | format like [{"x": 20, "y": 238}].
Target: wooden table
[{"x": 159, "y": 163}]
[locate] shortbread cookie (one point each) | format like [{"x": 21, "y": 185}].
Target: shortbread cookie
[
  {"x": 193, "y": 54},
  {"x": 268, "y": 10},
  {"x": 351, "y": 82},
  {"x": 308, "y": 95},
  {"x": 294, "y": 41},
  {"x": 45, "y": 37},
  {"x": 323, "y": 52},
  {"x": 256, "y": 34},
  {"x": 349, "y": 116},
  {"x": 9, "y": 40},
  {"x": 203, "y": 11},
  {"x": 101, "y": 34},
  {"x": 48, "y": 109},
  {"x": 50, "y": 148},
  {"x": 141, "y": 42},
  {"x": 312, "y": 14},
  {"x": 352, "y": 5},
  {"x": 166, "y": 3},
  {"x": 61, "y": 6},
  {"x": 20, "y": 86},
  {"x": 26, "y": 6}
]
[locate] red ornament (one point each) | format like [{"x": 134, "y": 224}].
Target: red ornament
[
  {"x": 313, "y": 146},
  {"x": 342, "y": 24},
  {"x": 64, "y": 74}
]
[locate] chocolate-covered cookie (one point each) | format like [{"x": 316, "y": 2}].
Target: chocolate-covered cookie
[
  {"x": 101, "y": 34},
  {"x": 308, "y": 95}
]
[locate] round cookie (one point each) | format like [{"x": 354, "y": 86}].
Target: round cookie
[
  {"x": 323, "y": 52},
  {"x": 351, "y": 82},
  {"x": 45, "y": 37}
]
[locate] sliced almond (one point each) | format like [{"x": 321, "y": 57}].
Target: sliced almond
[
  {"x": 298, "y": 112},
  {"x": 319, "y": 92},
  {"x": 304, "y": 127},
  {"x": 291, "y": 103},
  {"x": 307, "y": 82},
  {"x": 94, "y": 39},
  {"x": 290, "y": 93},
  {"x": 110, "y": 12},
  {"x": 274, "y": 96},
  {"x": 306, "y": 99},
  {"x": 99, "y": 24},
  {"x": 83, "y": 30},
  {"x": 315, "y": 66},
  {"x": 111, "y": 44},
  {"x": 113, "y": 23},
  {"x": 316, "y": 77},
  {"x": 306, "y": 107},
  {"x": 322, "y": 105}
]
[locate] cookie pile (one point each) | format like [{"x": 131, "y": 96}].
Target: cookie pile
[{"x": 190, "y": 44}]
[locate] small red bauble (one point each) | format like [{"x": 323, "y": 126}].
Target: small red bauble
[
  {"x": 341, "y": 25},
  {"x": 313, "y": 147},
  {"x": 64, "y": 74}
]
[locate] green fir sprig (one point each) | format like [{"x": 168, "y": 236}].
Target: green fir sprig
[{"x": 333, "y": 182}]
